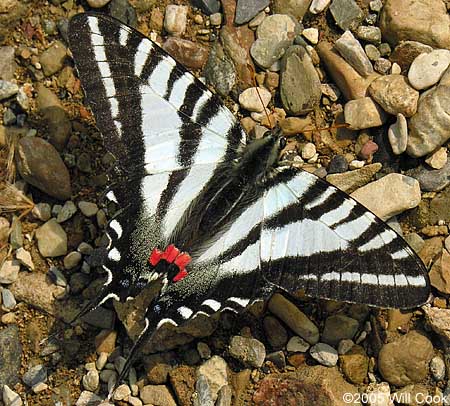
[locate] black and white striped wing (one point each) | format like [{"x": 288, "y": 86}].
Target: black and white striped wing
[
  {"x": 170, "y": 134},
  {"x": 303, "y": 233}
]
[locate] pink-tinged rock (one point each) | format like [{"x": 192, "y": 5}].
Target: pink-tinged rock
[
  {"x": 368, "y": 149},
  {"x": 188, "y": 53}
]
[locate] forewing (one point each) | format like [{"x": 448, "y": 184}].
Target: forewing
[{"x": 303, "y": 233}]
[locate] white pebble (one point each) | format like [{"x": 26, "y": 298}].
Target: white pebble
[
  {"x": 324, "y": 354},
  {"x": 426, "y": 70},
  {"x": 317, "y": 6},
  {"x": 355, "y": 164},
  {"x": 175, "y": 19},
  {"x": 250, "y": 99},
  {"x": 308, "y": 151},
  {"x": 311, "y": 34}
]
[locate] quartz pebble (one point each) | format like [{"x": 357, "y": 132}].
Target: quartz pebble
[
  {"x": 122, "y": 392},
  {"x": 317, "y": 6},
  {"x": 250, "y": 99},
  {"x": 363, "y": 113},
  {"x": 427, "y": 68},
  {"x": 308, "y": 151},
  {"x": 398, "y": 135},
  {"x": 91, "y": 380},
  {"x": 249, "y": 351},
  {"x": 311, "y": 34},
  {"x": 66, "y": 212},
  {"x": 175, "y": 19},
  {"x": 324, "y": 354}
]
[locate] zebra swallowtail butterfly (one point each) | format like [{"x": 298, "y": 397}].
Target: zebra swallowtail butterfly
[{"x": 212, "y": 217}]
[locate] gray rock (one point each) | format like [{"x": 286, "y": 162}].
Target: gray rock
[
  {"x": 275, "y": 332},
  {"x": 267, "y": 51},
  {"x": 10, "y": 355},
  {"x": 66, "y": 212},
  {"x": 431, "y": 180},
  {"x": 207, "y": 6},
  {"x": 7, "y": 63},
  {"x": 352, "y": 51},
  {"x": 42, "y": 211},
  {"x": 8, "y": 299},
  {"x": 300, "y": 88},
  {"x": 338, "y": 164},
  {"x": 203, "y": 392},
  {"x": 249, "y": 351},
  {"x": 427, "y": 69},
  {"x": 398, "y": 135},
  {"x": 157, "y": 395},
  {"x": 297, "y": 344},
  {"x": 369, "y": 34},
  {"x": 372, "y": 52},
  {"x": 52, "y": 59},
  {"x": 294, "y": 318},
  {"x": 40, "y": 165},
  {"x": 9, "y": 271},
  {"x": 429, "y": 128},
  {"x": 216, "y": 374},
  {"x": 426, "y": 21},
  {"x": 219, "y": 70},
  {"x": 339, "y": 327},
  {"x": 15, "y": 234},
  {"x": 346, "y": 13},
  {"x": 324, "y": 354},
  {"x": 363, "y": 113},
  {"x": 34, "y": 375},
  {"x": 295, "y": 8},
  {"x": 415, "y": 241},
  {"x": 52, "y": 239},
  {"x": 58, "y": 276},
  {"x": 395, "y": 95},
  {"x": 24, "y": 257},
  {"x": 246, "y": 10},
  {"x": 89, "y": 209},
  {"x": 390, "y": 195},
  {"x": 7, "y": 89},
  {"x": 9, "y": 118},
  {"x": 11, "y": 398}
]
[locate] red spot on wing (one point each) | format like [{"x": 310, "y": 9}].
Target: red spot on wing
[
  {"x": 155, "y": 257},
  {"x": 180, "y": 275},
  {"x": 171, "y": 255}
]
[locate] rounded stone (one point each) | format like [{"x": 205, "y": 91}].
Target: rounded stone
[
  {"x": 308, "y": 151},
  {"x": 438, "y": 159},
  {"x": 275, "y": 332},
  {"x": 251, "y": 98},
  {"x": 427, "y": 69},
  {"x": 355, "y": 364},
  {"x": 72, "y": 259},
  {"x": 324, "y": 354},
  {"x": 339, "y": 327},
  {"x": 405, "y": 360},
  {"x": 89, "y": 209},
  {"x": 98, "y": 3},
  {"x": 52, "y": 239},
  {"x": 398, "y": 135},
  {"x": 363, "y": 113},
  {"x": 175, "y": 19},
  {"x": 91, "y": 381},
  {"x": 437, "y": 368},
  {"x": 249, "y": 351},
  {"x": 297, "y": 344}
]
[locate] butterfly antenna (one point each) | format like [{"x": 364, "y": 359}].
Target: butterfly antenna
[{"x": 252, "y": 69}]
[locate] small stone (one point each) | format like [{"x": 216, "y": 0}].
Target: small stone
[
  {"x": 346, "y": 13},
  {"x": 52, "y": 239},
  {"x": 356, "y": 164},
  {"x": 308, "y": 151},
  {"x": 15, "y": 233},
  {"x": 369, "y": 34},
  {"x": 66, "y": 212},
  {"x": 39, "y": 387},
  {"x": 175, "y": 19},
  {"x": 122, "y": 392},
  {"x": 4, "y": 230},
  {"x": 367, "y": 150},
  {"x": 275, "y": 332},
  {"x": 376, "y": 5},
  {"x": 363, "y": 113},
  {"x": 88, "y": 398},
  {"x": 216, "y": 19},
  {"x": 105, "y": 341},
  {"x": 11, "y": 398},
  {"x": 438, "y": 159},
  {"x": 88, "y": 209},
  {"x": 405, "y": 360},
  {"x": 324, "y": 354},
  {"x": 91, "y": 381},
  {"x": 72, "y": 259},
  {"x": 9, "y": 272},
  {"x": 339, "y": 327},
  {"x": 52, "y": 59},
  {"x": 7, "y": 63},
  {"x": 8, "y": 300},
  {"x": 101, "y": 360},
  {"x": 203, "y": 350},
  {"x": 311, "y": 34},
  {"x": 215, "y": 372},
  {"x": 382, "y": 65},
  {"x": 157, "y": 395},
  {"x": 34, "y": 375},
  {"x": 191, "y": 54},
  {"x": 379, "y": 394},
  {"x": 352, "y": 51},
  {"x": 415, "y": 241},
  {"x": 372, "y": 52},
  {"x": 437, "y": 368},
  {"x": 246, "y": 10},
  {"x": 345, "y": 346},
  {"x": 42, "y": 211},
  {"x": 355, "y": 364},
  {"x": 297, "y": 344},
  {"x": 8, "y": 318},
  {"x": 85, "y": 248},
  {"x": 7, "y": 89},
  {"x": 440, "y": 273},
  {"x": 98, "y": 3},
  {"x": 428, "y": 68},
  {"x": 101, "y": 218},
  {"x": 24, "y": 257},
  {"x": 398, "y": 135},
  {"x": 250, "y": 99},
  {"x": 249, "y": 351},
  {"x": 294, "y": 318},
  {"x": 396, "y": 69},
  {"x": 338, "y": 164},
  {"x": 390, "y": 195}
]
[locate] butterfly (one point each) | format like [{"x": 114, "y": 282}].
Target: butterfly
[{"x": 209, "y": 216}]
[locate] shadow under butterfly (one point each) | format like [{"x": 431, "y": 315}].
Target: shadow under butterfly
[{"x": 214, "y": 220}]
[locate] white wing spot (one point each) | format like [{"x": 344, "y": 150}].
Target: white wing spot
[
  {"x": 213, "y": 304},
  {"x": 418, "y": 281},
  {"x": 239, "y": 301},
  {"x": 185, "y": 312},
  {"x": 115, "y": 225},
  {"x": 111, "y": 196},
  {"x": 114, "y": 255},
  {"x": 123, "y": 37},
  {"x": 401, "y": 254},
  {"x": 164, "y": 321},
  {"x": 142, "y": 53}
]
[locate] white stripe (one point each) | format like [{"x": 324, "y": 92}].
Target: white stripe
[
  {"x": 321, "y": 199},
  {"x": 369, "y": 279},
  {"x": 159, "y": 78},
  {"x": 416, "y": 281},
  {"x": 114, "y": 255},
  {"x": 93, "y": 25},
  {"x": 164, "y": 321},
  {"x": 400, "y": 280},
  {"x": 142, "y": 53},
  {"x": 403, "y": 253},
  {"x": 179, "y": 90},
  {"x": 351, "y": 277},
  {"x": 115, "y": 225},
  {"x": 338, "y": 214},
  {"x": 110, "y": 276},
  {"x": 213, "y": 304},
  {"x": 118, "y": 125},
  {"x": 111, "y": 196},
  {"x": 386, "y": 280},
  {"x": 301, "y": 238},
  {"x": 378, "y": 241},
  {"x": 152, "y": 189},
  {"x": 107, "y": 297},
  {"x": 123, "y": 36},
  {"x": 200, "y": 312},
  {"x": 203, "y": 99},
  {"x": 308, "y": 277},
  {"x": 109, "y": 87},
  {"x": 114, "y": 109},
  {"x": 185, "y": 312},
  {"x": 331, "y": 276},
  {"x": 99, "y": 53},
  {"x": 247, "y": 261},
  {"x": 105, "y": 71},
  {"x": 239, "y": 301},
  {"x": 353, "y": 229},
  {"x": 220, "y": 123}
]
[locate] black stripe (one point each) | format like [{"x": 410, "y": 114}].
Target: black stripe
[
  {"x": 175, "y": 74},
  {"x": 153, "y": 59}
]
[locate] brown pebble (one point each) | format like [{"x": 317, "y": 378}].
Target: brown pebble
[
  {"x": 297, "y": 360},
  {"x": 105, "y": 341},
  {"x": 433, "y": 231}
]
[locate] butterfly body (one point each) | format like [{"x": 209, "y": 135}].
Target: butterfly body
[{"x": 185, "y": 178}]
